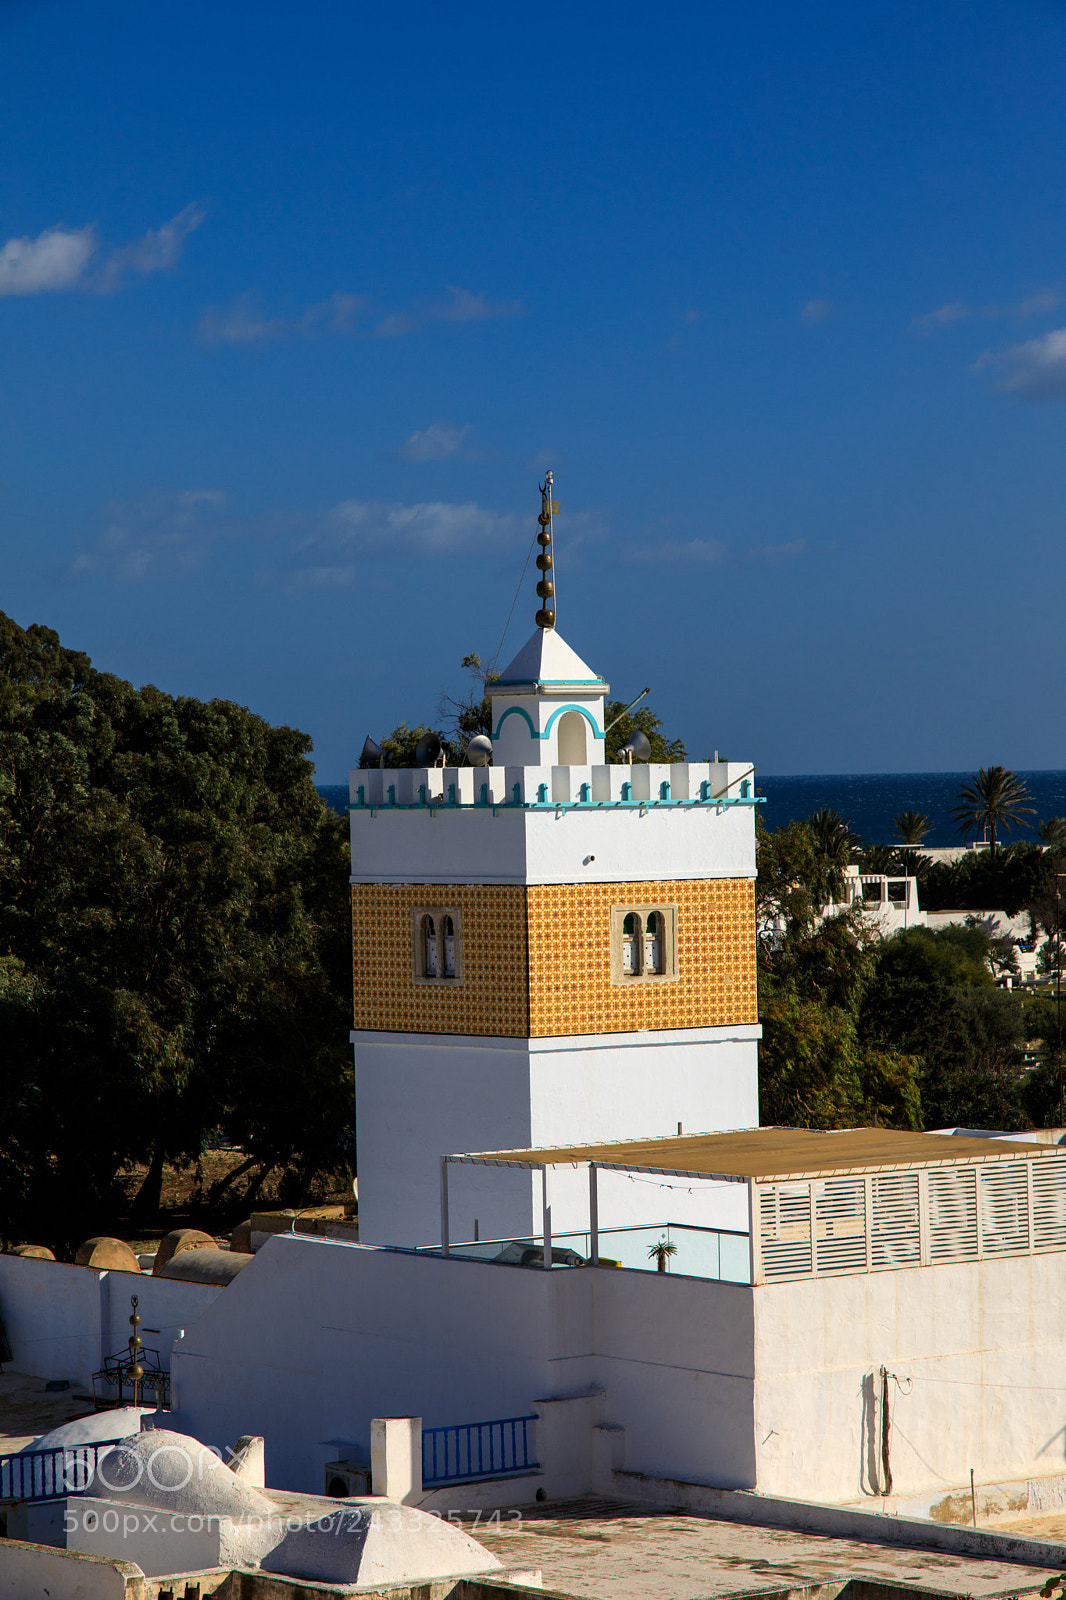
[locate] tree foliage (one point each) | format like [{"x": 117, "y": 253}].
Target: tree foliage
[
  {"x": 908, "y": 1031},
  {"x": 463, "y": 716},
  {"x": 997, "y": 798},
  {"x": 173, "y": 935}
]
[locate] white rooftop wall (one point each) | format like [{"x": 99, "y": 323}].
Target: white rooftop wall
[{"x": 561, "y": 817}]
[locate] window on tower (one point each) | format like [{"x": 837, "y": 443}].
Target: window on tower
[
  {"x": 436, "y": 944},
  {"x": 643, "y": 943}
]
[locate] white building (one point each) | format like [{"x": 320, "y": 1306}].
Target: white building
[{"x": 547, "y": 949}]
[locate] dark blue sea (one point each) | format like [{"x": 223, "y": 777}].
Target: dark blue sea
[{"x": 867, "y": 801}]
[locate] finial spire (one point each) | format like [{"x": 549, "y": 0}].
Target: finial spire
[{"x": 546, "y": 586}]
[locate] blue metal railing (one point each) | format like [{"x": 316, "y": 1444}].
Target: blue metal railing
[
  {"x": 474, "y": 1450},
  {"x": 52, "y": 1474}
]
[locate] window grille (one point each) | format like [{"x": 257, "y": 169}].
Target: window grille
[
  {"x": 953, "y": 1214},
  {"x": 840, "y": 1225},
  {"x": 1003, "y": 1192},
  {"x": 785, "y": 1229},
  {"x": 1049, "y": 1204},
  {"x": 895, "y": 1240}
]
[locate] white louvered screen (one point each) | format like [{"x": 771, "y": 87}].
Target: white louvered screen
[
  {"x": 785, "y": 1229},
  {"x": 1003, "y": 1192},
  {"x": 1049, "y": 1203},
  {"x": 953, "y": 1214},
  {"x": 895, "y": 1240},
  {"x": 840, "y": 1225}
]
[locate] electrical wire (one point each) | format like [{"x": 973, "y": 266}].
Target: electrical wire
[{"x": 499, "y": 648}]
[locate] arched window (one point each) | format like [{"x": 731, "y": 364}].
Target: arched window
[
  {"x": 631, "y": 946},
  {"x": 437, "y": 945},
  {"x": 644, "y": 944},
  {"x": 429, "y": 948},
  {"x": 654, "y": 943},
  {"x": 573, "y": 746}
]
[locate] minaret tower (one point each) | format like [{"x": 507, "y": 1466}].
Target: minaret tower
[{"x": 547, "y": 950}]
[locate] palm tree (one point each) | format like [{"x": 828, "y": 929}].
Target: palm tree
[
  {"x": 1053, "y": 835},
  {"x": 833, "y": 843},
  {"x": 995, "y": 799},
  {"x": 661, "y": 1252},
  {"x": 912, "y": 826}
]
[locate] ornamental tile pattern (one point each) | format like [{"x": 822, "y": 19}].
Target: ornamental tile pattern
[
  {"x": 536, "y": 961},
  {"x": 571, "y": 992},
  {"x": 493, "y": 996}
]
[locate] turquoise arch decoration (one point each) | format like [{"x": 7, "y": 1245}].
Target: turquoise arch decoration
[
  {"x": 516, "y": 711},
  {"x": 589, "y": 718}
]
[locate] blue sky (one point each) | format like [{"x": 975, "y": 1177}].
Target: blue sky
[{"x": 297, "y": 303}]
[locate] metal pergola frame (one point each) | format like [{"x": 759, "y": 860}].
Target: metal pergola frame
[{"x": 594, "y": 1168}]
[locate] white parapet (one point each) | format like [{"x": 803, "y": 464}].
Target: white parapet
[{"x": 396, "y": 1458}]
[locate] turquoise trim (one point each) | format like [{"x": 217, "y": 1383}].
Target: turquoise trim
[
  {"x": 516, "y": 711},
  {"x": 591, "y": 720},
  {"x": 556, "y": 805},
  {"x": 549, "y": 683}
]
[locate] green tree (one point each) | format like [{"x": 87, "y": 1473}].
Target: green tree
[
  {"x": 1053, "y": 835},
  {"x": 912, "y": 826},
  {"x": 995, "y": 799},
  {"x": 643, "y": 720},
  {"x": 933, "y": 998},
  {"x": 175, "y": 922}
]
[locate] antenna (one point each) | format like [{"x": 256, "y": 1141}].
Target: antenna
[{"x": 546, "y": 587}]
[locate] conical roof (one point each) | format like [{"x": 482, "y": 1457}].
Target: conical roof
[{"x": 547, "y": 658}]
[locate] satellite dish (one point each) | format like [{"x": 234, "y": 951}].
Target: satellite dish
[
  {"x": 636, "y": 748},
  {"x": 373, "y": 755},
  {"x": 427, "y": 749},
  {"x": 479, "y": 750}
]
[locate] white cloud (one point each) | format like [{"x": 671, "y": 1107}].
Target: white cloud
[
  {"x": 244, "y": 322},
  {"x": 358, "y": 533},
  {"x": 73, "y": 258},
  {"x": 816, "y": 310},
  {"x": 461, "y": 305},
  {"x": 1035, "y": 370},
  {"x": 942, "y": 317},
  {"x": 438, "y": 442},
  {"x": 56, "y": 259},
  {"x": 241, "y": 323},
  {"x": 1034, "y": 305},
  {"x": 159, "y": 250},
  {"x": 157, "y": 535}
]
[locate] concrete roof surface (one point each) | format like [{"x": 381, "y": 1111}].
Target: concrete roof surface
[
  {"x": 775, "y": 1153},
  {"x": 618, "y": 1552}
]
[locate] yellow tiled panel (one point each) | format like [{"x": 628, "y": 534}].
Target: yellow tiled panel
[
  {"x": 536, "y": 961},
  {"x": 493, "y": 996},
  {"x": 570, "y": 988}
]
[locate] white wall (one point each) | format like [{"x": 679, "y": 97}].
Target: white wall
[
  {"x": 316, "y": 1338},
  {"x": 32, "y": 1572},
  {"x": 980, "y": 1353},
  {"x": 63, "y": 1321},
  {"x": 419, "y": 1097},
  {"x": 674, "y": 1356},
  {"x": 474, "y": 845}
]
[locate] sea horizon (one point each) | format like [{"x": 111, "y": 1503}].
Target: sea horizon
[{"x": 869, "y": 801}]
